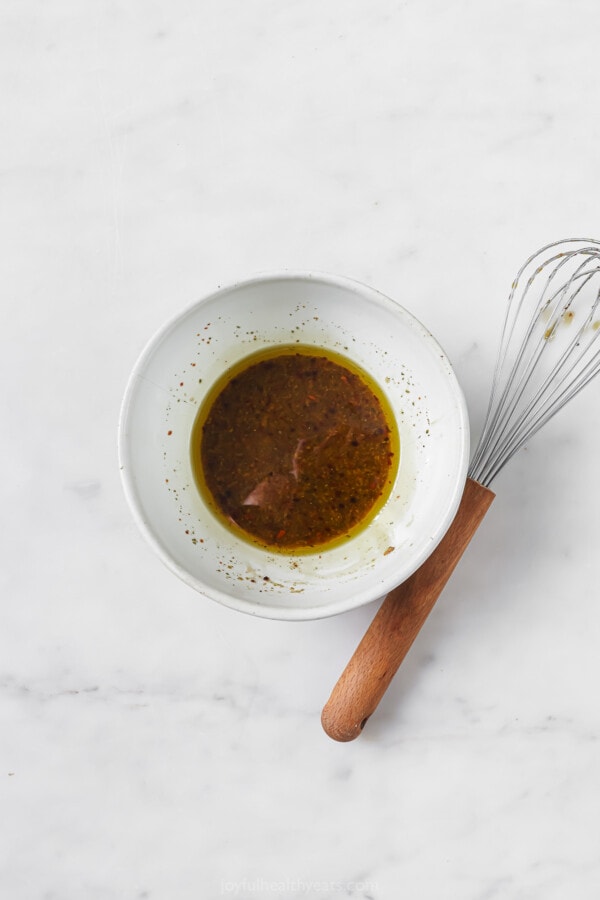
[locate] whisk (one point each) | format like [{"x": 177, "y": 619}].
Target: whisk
[{"x": 548, "y": 353}]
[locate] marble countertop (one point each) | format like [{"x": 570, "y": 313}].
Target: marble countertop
[{"x": 152, "y": 743}]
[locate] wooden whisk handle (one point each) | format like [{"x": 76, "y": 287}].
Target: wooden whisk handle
[{"x": 388, "y": 639}]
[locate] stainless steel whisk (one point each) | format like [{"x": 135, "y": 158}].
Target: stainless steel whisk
[
  {"x": 548, "y": 353},
  {"x": 547, "y": 350}
]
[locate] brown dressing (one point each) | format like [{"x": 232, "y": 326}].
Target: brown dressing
[{"x": 295, "y": 447}]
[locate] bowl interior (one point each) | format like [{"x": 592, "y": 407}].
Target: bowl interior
[{"x": 178, "y": 368}]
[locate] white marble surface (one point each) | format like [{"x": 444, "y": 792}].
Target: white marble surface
[{"x": 152, "y": 744}]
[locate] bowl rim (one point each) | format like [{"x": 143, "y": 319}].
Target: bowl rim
[{"x": 357, "y": 598}]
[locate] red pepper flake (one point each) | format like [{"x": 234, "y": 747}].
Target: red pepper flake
[
  {"x": 181, "y": 384},
  {"x": 169, "y": 432},
  {"x": 344, "y": 379},
  {"x": 312, "y": 397},
  {"x": 280, "y": 534}
]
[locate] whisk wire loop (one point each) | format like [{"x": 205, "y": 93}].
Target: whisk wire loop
[{"x": 543, "y": 362}]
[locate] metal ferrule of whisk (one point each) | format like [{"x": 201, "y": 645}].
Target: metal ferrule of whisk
[{"x": 548, "y": 350}]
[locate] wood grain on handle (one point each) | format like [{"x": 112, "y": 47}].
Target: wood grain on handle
[{"x": 388, "y": 639}]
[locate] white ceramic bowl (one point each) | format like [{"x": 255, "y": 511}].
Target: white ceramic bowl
[{"x": 186, "y": 357}]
